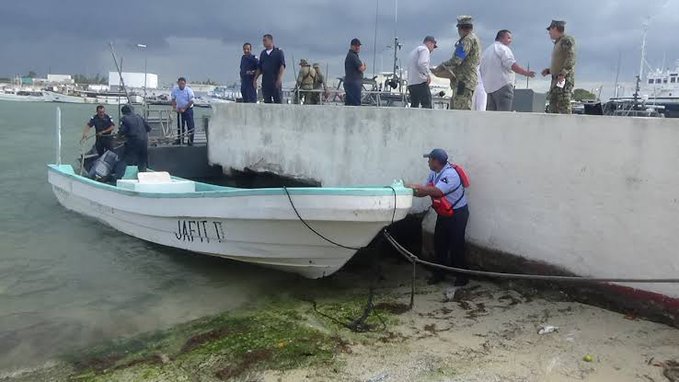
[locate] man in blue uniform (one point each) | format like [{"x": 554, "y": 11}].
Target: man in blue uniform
[
  {"x": 353, "y": 75},
  {"x": 272, "y": 68},
  {"x": 135, "y": 129},
  {"x": 248, "y": 68},
  {"x": 182, "y": 102},
  {"x": 103, "y": 127},
  {"x": 449, "y": 234}
]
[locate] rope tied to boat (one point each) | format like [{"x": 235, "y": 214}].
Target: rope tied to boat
[
  {"x": 358, "y": 325},
  {"x": 414, "y": 260}
]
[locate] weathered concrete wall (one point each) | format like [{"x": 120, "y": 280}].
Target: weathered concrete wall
[{"x": 594, "y": 195}]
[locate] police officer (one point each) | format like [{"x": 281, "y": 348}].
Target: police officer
[
  {"x": 353, "y": 75},
  {"x": 449, "y": 235},
  {"x": 305, "y": 80},
  {"x": 464, "y": 64},
  {"x": 182, "y": 102},
  {"x": 103, "y": 126},
  {"x": 248, "y": 68},
  {"x": 272, "y": 68},
  {"x": 562, "y": 68},
  {"x": 135, "y": 129}
]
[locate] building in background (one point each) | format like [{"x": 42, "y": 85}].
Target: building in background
[
  {"x": 64, "y": 79},
  {"x": 132, "y": 80}
]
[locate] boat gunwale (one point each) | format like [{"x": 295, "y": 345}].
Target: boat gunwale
[{"x": 222, "y": 191}]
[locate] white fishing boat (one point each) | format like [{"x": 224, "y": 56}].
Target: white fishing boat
[
  {"x": 260, "y": 226},
  {"x": 23, "y": 95}
]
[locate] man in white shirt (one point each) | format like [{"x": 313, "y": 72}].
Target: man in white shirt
[
  {"x": 497, "y": 72},
  {"x": 419, "y": 74}
]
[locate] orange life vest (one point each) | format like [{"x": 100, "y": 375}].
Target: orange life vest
[{"x": 442, "y": 205}]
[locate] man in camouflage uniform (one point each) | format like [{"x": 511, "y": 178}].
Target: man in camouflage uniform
[
  {"x": 305, "y": 81},
  {"x": 319, "y": 86},
  {"x": 562, "y": 69},
  {"x": 464, "y": 65}
]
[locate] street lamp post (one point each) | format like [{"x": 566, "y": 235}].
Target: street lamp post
[{"x": 143, "y": 46}]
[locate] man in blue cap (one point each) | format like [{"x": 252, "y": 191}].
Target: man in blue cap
[{"x": 449, "y": 235}]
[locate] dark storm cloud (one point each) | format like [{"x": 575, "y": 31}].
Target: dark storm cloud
[{"x": 202, "y": 39}]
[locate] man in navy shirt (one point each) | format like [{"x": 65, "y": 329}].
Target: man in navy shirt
[
  {"x": 136, "y": 130},
  {"x": 103, "y": 127},
  {"x": 353, "y": 75},
  {"x": 248, "y": 68},
  {"x": 271, "y": 67},
  {"x": 449, "y": 235}
]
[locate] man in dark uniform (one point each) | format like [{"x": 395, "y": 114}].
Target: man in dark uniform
[
  {"x": 135, "y": 129},
  {"x": 271, "y": 67},
  {"x": 248, "y": 68},
  {"x": 103, "y": 127},
  {"x": 353, "y": 75}
]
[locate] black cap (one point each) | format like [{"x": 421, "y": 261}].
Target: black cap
[
  {"x": 556, "y": 23},
  {"x": 431, "y": 39},
  {"x": 355, "y": 42}
]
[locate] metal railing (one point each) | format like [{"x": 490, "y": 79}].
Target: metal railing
[
  {"x": 368, "y": 98},
  {"x": 164, "y": 129}
]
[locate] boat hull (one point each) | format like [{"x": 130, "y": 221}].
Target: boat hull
[{"x": 259, "y": 229}]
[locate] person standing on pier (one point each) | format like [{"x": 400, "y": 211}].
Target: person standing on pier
[
  {"x": 248, "y": 68},
  {"x": 182, "y": 103},
  {"x": 305, "y": 81},
  {"x": 271, "y": 67},
  {"x": 464, "y": 64},
  {"x": 498, "y": 66},
  {"x": 353, "y": 75},
  {"x": 103, "y": 127},
  {"x": 446, "y": 188},
  {"x": 319, "y": 86},
  {"x": 419, "y": 73},
  {"x": 562, "y": 68}
]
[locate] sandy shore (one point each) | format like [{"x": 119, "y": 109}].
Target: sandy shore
[{"x": 488, "y": 332}]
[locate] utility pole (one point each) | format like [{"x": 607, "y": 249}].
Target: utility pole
[{"x": 143, "y": 47}]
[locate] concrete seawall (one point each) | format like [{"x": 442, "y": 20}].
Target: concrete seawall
[{"x": 593, "y": 195}]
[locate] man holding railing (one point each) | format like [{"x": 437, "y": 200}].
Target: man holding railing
[{"x": 182, "y": 103}]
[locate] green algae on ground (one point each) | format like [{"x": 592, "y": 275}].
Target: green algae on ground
[{"x": 282, "y": 335}]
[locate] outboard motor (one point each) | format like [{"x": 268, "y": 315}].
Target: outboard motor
[{"x": 104, "y": 166}]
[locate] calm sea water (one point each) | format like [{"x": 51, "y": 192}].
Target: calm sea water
[{"x": 67, "y": 281}]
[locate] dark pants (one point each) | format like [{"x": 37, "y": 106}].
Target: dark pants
[
  {"x": 449, "y": 243},
  {"x": 103, "y": 143},
  {"x": 248, "y": 91},
  {"x": 271, "y": 93},
  {"x": 136, "y": 153},
  {"x": 185, "y": 125},
  {"x": 352, "y": 93},
  {"x": 420, "y": 95}
]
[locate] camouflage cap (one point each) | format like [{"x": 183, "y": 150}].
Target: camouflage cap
[
  {"x": 304, "y": 62},
  {"x": 464, "y": 21},
  {"x": 556, "y": 23}
]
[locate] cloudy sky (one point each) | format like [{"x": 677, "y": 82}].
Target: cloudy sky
[{"x": 202, "y": 39}]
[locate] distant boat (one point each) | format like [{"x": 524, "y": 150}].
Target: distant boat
[
  {"x": 256, "y": 226},
  {"x": 23, "y": 95},
  {"x": 93, "y": 97}
]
